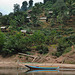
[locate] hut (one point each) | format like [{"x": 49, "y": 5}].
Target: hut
[
  {"x": 3, "y": 28},
  {"x": 29, "y": 12},
  {"x": 23, "y": 31},
  {"x": 50, "y": 12},
  {"x": 43, "y": 19},
  {"x": 29, "y": 18}
]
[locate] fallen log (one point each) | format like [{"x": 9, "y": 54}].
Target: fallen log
[{"x": 27, "y": 55}]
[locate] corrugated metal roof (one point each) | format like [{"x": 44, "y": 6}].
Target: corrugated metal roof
[
  {"x": 24, "y": 31},
  {"x": 28, "y": 17},
  {"x": 3, "y": 27},
  {"x": 43, "y": 18},
  {"x": 50, "y": 11}
]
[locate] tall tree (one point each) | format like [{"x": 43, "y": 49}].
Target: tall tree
[
  {"x": 69, "y": 0},
  {"x": 71, "y": 5},
  {"x": 45, "y": 1},
  {"x": 0, "y": 17},
  {"x": 0, "y": 14},
  {"x": 36, "y": 10},
  {"x": 24, "y": 6},
  {"x": 53, "y": 1},
  {"x": 30, "y": 3},
  {"x": 5, "y": 20},
  {"x": 16, "y": 7},
  {"x": 2, "y": 40},
  {"x": 60, "y": 5}
]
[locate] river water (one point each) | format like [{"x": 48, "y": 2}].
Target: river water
[{"x": 25, "y": 72}]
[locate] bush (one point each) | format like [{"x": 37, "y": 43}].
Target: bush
[
  {"x": 38, "y": 37},
  {"x": 42, "y": 49},
  {"x": 68, "y": 49},
  {"x": 15, "y": 44},
  {"x": 2, "y": 40},
  {"x": 63, "y": 44},
  {"x": 73, "y": 12},
  {"x": 29, "y": 31}
]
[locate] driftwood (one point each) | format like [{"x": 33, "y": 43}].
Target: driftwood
[
  {"x": 26, "y": 55},
  {"x": 32, "y": 56},
  {"x": 35, "y": 58},
  {"x": 43, "y": 57}
]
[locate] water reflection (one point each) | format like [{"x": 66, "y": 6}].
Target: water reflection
[
  {"x": 33, "y": 71},
  {"x": 36, "y": 72}
]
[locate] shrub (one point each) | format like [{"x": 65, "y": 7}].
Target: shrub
[
  {"x": 2, "y": 40},
  {"x": 73, "y": 12},
  {"x": 63, "y": 44},
  {"x": 29, "y": 31},
  {"x": 15, "y": 44},
  {"x": 38, "y": 37},
  {"x": 42, "y": 49},
  {"x": 68, "y": 49}
]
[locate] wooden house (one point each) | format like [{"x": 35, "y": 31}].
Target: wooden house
[
  {"x": 51, "y": 12},
  {"x": 29, "y": 12},
  {"x": 3, "y": 28},
  {"x": 23, "y": 31},
  {"x": 43, "y": 19},
  {"x": 29, "y": 18}
]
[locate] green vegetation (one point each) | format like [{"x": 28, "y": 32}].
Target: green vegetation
[{"x": 58, "y": 29}]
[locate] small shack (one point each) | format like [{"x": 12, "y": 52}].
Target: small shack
[
  {"x": 50, "y": 12},
  {"x": 23, "y": 31},
  {"x": 3, "y": 28},
  {"x": 29, "y": 12},
  {"x": 43, "y": 19},
  {"x": 29, "y": 18}
]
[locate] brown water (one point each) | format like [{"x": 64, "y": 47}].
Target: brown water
[{"x": 24, "y": 72}]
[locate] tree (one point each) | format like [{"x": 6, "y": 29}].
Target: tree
[
  {"x": 16, "y": 43},
  {"x": 45, "y": 1},
  {"x": 71, "y": 5},
  {"x": 37, "y": 9},
  {"x": 18, "y": 20},
  {"x": 69, "y": 0},
  {"x": 24, "y": 6},
  {"x": 53, "y": 1},
  {"x": 5, "y": 20},
  {"x": 0, "y": 14},
  {"x": 48, "y": 5},
  {"x": 63, "y": 44},
  {"x": 60, "y": 5},
  {"x": 30, "y": 3},
  {"x": 38, "y": 38},
  {"x": 34, "y": 20},
  {"x": 0, "y": 17},
  {"x": 16, "y": 7},
  {"x": 2, "y": 40}
]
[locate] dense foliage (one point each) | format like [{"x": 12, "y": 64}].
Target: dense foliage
[{"x": 39, "y": 35}]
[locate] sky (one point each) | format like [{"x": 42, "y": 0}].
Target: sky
[{"x": 6, "y": 6}]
